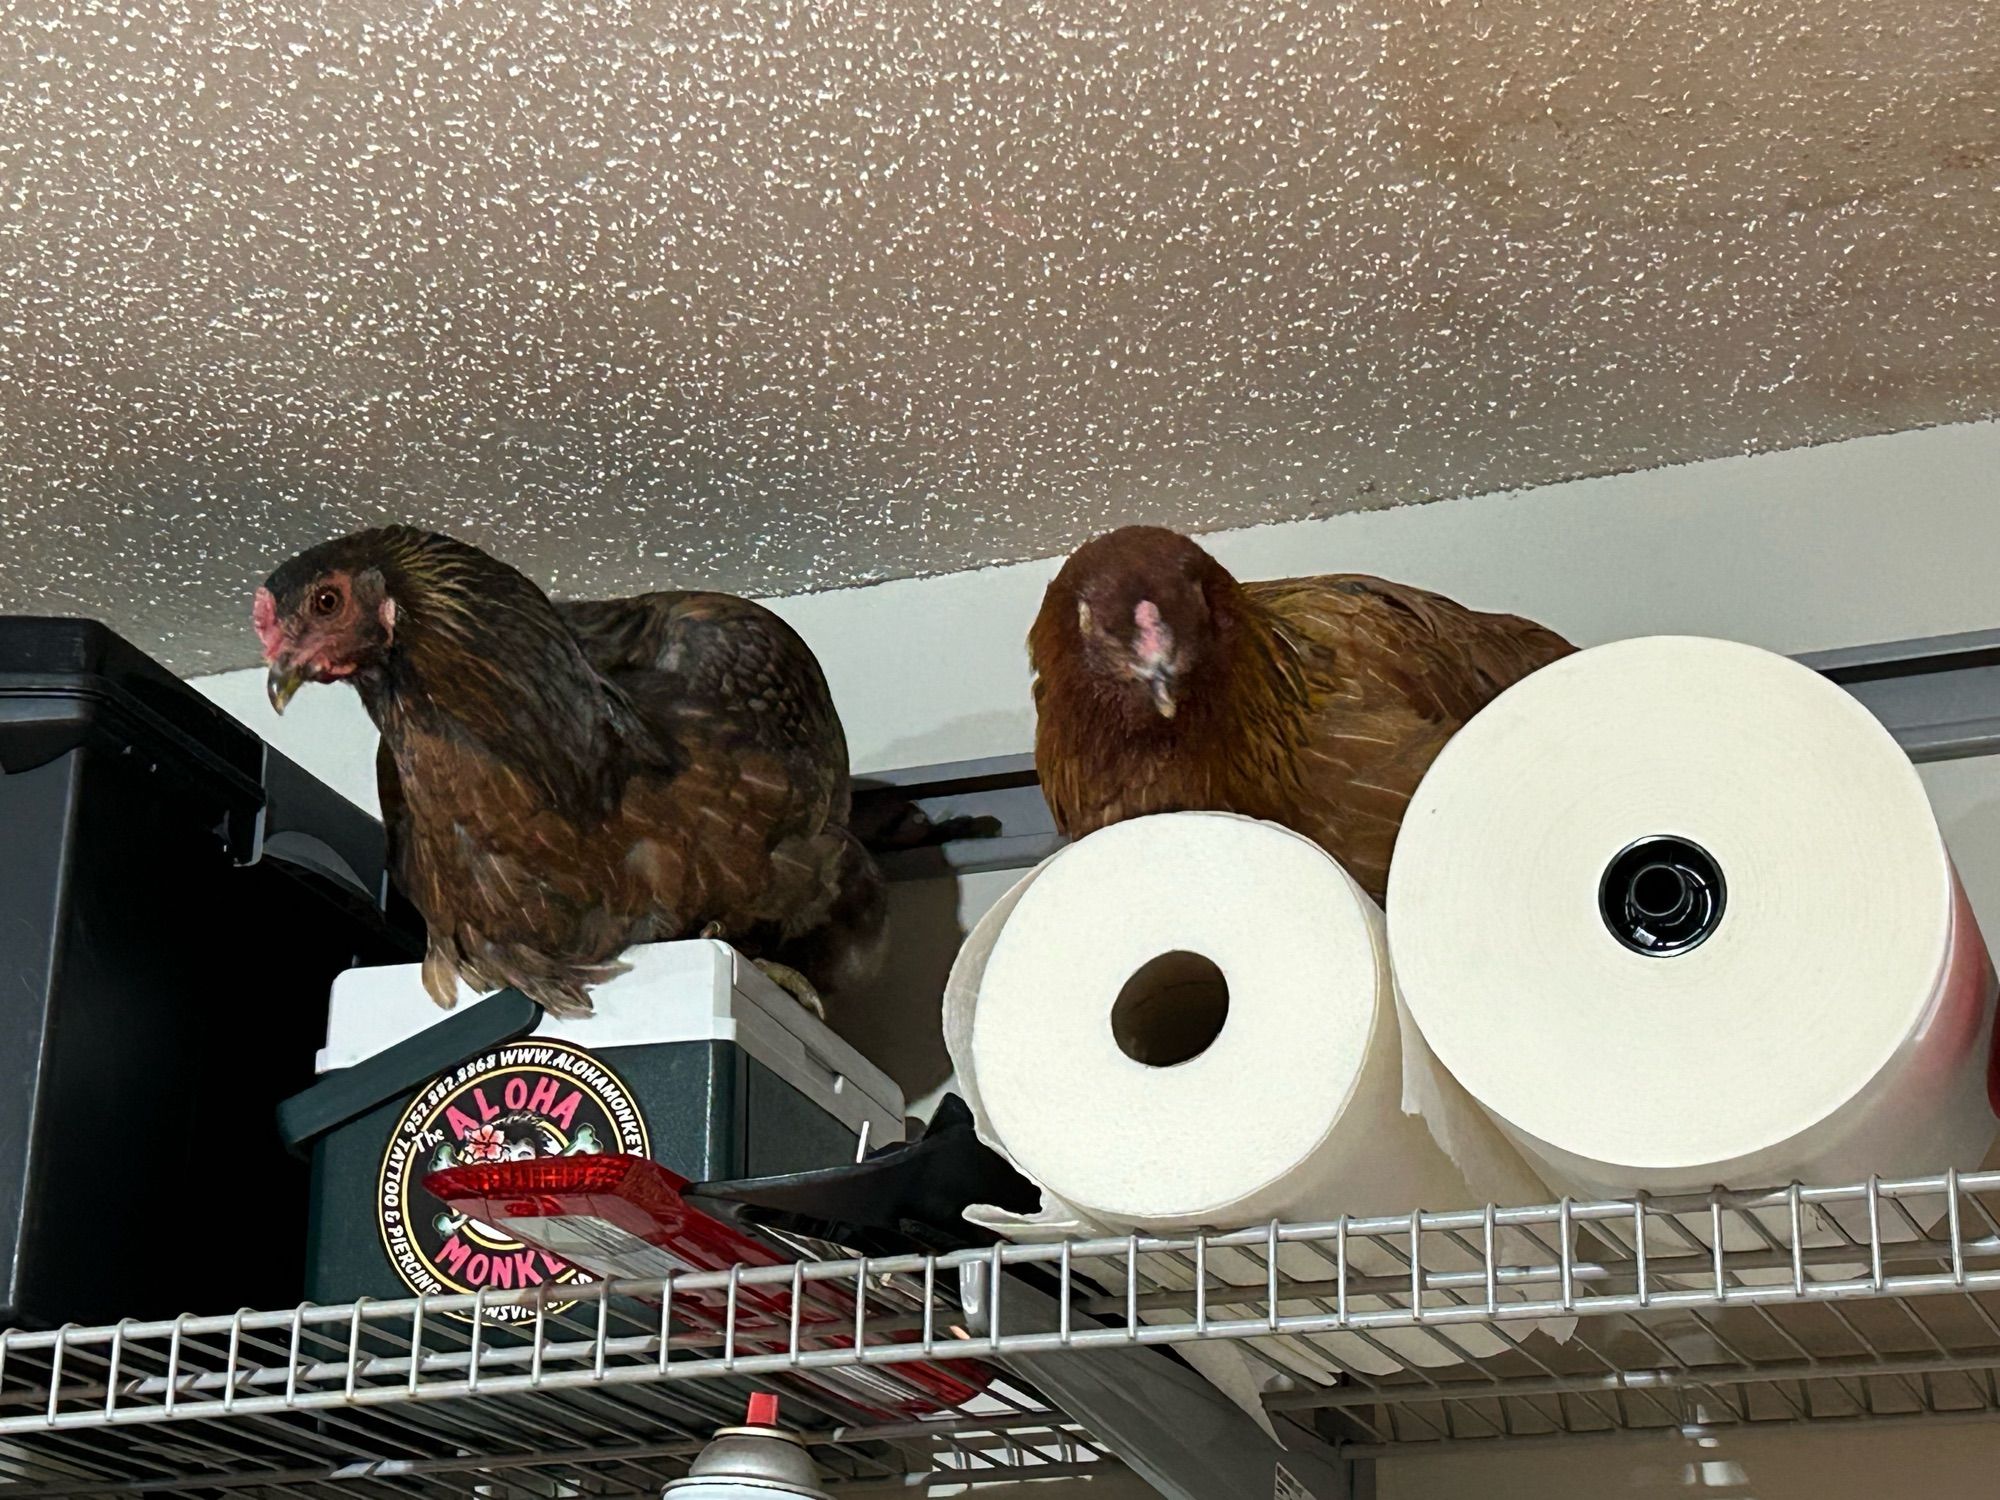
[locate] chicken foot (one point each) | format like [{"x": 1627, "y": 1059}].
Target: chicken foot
[
  {"x": 793, "y": 983},
  {"x": 784, "y": 976}
]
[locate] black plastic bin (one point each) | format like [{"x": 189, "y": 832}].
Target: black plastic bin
[{"x": 175, "y": 900}]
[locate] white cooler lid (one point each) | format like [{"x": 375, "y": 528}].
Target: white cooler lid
[{"x": 694, "y": 991}]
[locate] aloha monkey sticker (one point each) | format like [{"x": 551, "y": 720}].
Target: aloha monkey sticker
[{"x": 527, "y": 1099}]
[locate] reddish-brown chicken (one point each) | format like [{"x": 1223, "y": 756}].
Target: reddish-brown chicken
[
  {"x": 563, "y": 781},
  {"x": 1164, "y": 685}
]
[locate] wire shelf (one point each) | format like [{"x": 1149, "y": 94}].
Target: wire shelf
[
  {"x": 613, "y": 1395},
  {"x": 1868, "y": 1302}
]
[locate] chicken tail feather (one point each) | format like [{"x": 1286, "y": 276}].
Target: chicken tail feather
[
  {"x": 847, "y": 949},
  {"x": 440, "y": 976},
  {"x": 887, "y": 822}
]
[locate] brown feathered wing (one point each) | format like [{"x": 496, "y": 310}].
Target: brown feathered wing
[
  {"x": 719, "y": 675},
  {"x": 728, "y": 807},
  {"x": 1391, "y": 673}
]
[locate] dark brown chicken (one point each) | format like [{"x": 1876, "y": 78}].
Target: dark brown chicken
[
  {"x": 563, "y": 781},
  {"x": 1164, "y": 685}
]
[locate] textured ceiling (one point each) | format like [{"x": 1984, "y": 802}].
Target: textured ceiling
[{"x": 787, "y": 296}]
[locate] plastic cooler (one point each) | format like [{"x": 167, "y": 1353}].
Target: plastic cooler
[
  {"x": 175, "y": 900},
  {"x": 693, "y": 1058}
]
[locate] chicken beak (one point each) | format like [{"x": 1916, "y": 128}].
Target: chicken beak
[
  {"x": 282, "y": 683},
  {"x": 1153, "y": 655}
]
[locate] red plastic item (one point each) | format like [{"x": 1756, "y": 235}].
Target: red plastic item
[
  {"x": 763, "y": 1410},
  {"x": 624, "y": 1217}
]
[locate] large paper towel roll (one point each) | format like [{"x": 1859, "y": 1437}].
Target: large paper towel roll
[
  {"x": 1092, "y": 1039},
  {"x": 1677, "y": 913}
]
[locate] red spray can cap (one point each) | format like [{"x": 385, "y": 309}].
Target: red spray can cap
[{"x": 757, "y": 1461}]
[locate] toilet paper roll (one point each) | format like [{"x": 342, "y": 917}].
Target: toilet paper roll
[
  {"x": 1186, "y": 1022},
  {"x": 1677, "y": 913}
]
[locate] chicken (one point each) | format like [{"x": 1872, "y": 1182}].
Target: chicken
[
  {"x": 561, "y": 781},
  {"x": 1164, "y": 685}
]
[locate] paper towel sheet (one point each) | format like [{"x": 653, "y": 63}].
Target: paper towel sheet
[{"x": 1293, "y": 935}]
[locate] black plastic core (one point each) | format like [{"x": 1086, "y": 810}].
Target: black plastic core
[{"x": 1662, "y": 896}]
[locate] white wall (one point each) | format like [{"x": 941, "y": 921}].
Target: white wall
[{"x": 1870, "y": 540}]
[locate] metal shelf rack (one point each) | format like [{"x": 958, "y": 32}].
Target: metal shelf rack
[
  {"x": 1866, "y": 1302},
  {"x": 1858, "y": 1303}
]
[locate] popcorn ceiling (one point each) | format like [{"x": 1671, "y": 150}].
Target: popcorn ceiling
[{"x": 780, "y": 297}]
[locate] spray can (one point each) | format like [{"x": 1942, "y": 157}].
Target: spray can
[{"x": 756, "y": 1461}]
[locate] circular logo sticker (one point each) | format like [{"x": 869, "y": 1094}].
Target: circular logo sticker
[{"x": 527, "y": 1099}]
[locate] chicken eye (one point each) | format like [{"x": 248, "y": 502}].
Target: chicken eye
[{"x": 326, "y": 601}]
